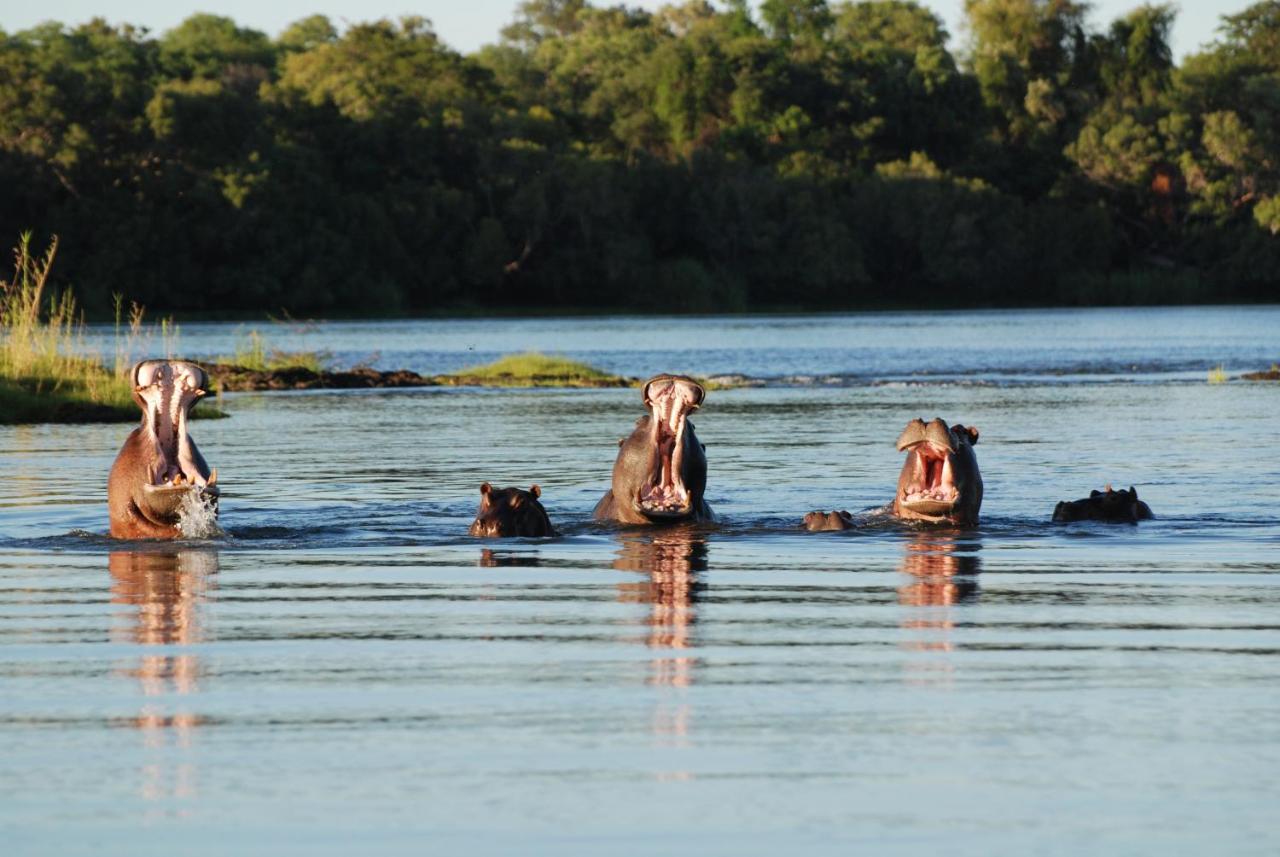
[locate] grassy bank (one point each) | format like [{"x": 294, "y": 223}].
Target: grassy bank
[
  {"x": 532, "y": 369},
  {"x": 44, "y": 375},
  {"x": 528, "y": 369}
]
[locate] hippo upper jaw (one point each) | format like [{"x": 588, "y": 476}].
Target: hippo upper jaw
[
  {"x": 663, "y": 494},
  {"x": 167, "y": 390}
]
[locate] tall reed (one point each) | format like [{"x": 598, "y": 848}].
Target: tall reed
[{"x": 44, "y": 362}]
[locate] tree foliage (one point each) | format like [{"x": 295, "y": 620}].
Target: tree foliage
[{"x": 701, "y": 157}]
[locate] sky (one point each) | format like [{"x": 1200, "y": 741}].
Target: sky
[{"x": 467, "y": 24}]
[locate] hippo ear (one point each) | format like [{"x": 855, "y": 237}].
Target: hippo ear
[
  {"x": 1133, "y": 493},
  {"x": 535, "y": 491},
  {"x": 971, "y": 431},
  {"x": 485, "y": 488}
]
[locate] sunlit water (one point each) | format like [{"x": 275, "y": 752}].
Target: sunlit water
[{"x": 346, "y": 671}]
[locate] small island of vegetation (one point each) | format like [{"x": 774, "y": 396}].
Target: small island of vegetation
[{"x": 530, "y": 369}]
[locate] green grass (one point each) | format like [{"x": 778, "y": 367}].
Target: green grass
[
  {"x": 44, "y": 373},
  {"x": 532, "y": 369},
  {"x": 252, "y": 353}
]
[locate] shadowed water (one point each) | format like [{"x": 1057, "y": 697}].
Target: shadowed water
[{"x": 344, "y": 669}]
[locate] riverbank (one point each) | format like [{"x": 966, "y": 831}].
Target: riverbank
[
  {"x": 517, "y": 370},
  {"x": 1272, "y": 374}
]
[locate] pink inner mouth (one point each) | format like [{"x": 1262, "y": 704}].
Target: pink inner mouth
[
  {"x": 671, "y": 401},
  {"x": 169, "y": 390},
  {"x": 931, "y": 477}
]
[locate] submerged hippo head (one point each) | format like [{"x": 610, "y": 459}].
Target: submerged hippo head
[
  {"x": 1108, "y": 505},
  {"x": 818, "y": 522},
  {"x": 660, "y": 473},
  {"x": 940, "y": 481},
  {"x": 511, "y": 512},
  {"x": 159, "y": 465}
]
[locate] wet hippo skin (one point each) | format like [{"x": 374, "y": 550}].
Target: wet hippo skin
[
  {"x": 507, "y": 512},
  {"x": 940, "y": 481},
  {"x": 816, "y": 522},
  {"x": 660, "y": 473},
  {"x": 1106, "y": 505},
  {"x": 159, "y": 465}
]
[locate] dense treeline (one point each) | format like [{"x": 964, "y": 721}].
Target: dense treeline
[{"x": 701, "y": 157}]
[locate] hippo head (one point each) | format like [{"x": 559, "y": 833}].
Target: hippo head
[
  {"x": 166, "y": 390},
  {"x": 940, "y": 481},
  {"x": 511, "y": 512},
  {"x": 1106, "y": 505},
  {"x": 674, "y": 474},
  {"x": 660, "y": 474},
  {"x": 817, "y": 522}
]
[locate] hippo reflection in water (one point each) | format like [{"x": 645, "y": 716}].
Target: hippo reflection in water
[
  {"x": 1120, "y": 506},
  {"x": 661, "y": 470},
  {"x": 939, "y": 483},
  {"x": 159, "y": 466},
  {"x": 511, "y": 512}
]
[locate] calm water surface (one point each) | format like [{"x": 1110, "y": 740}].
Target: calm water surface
[{"x": 346, "y": 671}]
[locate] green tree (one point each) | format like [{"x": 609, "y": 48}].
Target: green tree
[{"x": 212, "y": 46}]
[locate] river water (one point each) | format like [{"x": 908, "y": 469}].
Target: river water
[{"x": 346, "y": 671}]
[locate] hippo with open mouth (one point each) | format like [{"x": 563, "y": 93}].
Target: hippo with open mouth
[
  {"x": 159, "y": 465},
  {"x": 940, "y": 482},
  {"x": 660, "y": 474}
]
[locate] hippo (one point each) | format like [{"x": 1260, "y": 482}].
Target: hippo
[
  {"x": 511, "y": 512},
  {"x": 660, "y": 474},
  {"x": 159, "y": 465},
  {"x": 817, "y": 522},
  {"x": 1107, "y": 505},
  {"x": 939, "y": 482}
]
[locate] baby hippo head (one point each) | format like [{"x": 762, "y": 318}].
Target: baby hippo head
[
  {"x": 511, "y": 512},
  {"x": 819, "y": 522}
]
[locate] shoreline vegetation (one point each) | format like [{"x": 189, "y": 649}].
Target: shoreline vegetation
[
  {"x": 47, "y": 377},
  {"x": 529, "y": 369},
  {"x": 46, "y": 373},
  {"x": 704, "y": 157}
]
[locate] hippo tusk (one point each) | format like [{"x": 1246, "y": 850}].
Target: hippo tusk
[{"x": 213, "y": 477}]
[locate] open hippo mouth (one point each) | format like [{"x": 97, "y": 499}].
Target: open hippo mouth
[
  {"x": 166, "y": 390},
  {"x": 929, "y": 486},
  {"x": 670, "y": 399}
]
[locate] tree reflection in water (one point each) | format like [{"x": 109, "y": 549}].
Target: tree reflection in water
[{"x": 165, "y": 591}]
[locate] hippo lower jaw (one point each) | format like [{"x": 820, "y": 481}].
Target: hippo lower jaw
[
  {"x": 664, "y": 495},
  {"x": 931, "y": 492}
]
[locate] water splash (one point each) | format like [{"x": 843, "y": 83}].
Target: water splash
[{"x": 198, "y": 516}]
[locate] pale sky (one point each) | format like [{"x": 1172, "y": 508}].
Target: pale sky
[{"x": 467, "y": 24}]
